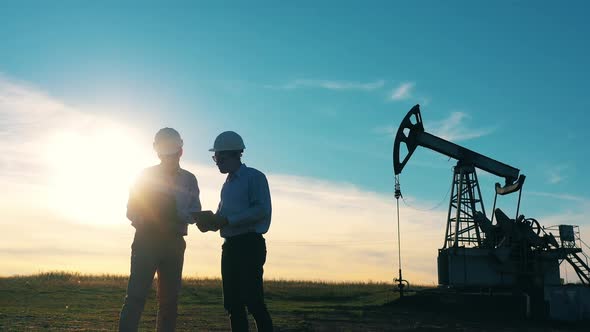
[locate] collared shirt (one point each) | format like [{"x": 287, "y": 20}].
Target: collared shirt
[
  {"x": 182, "y": 185},
  {"x": 245, "y": 202}
]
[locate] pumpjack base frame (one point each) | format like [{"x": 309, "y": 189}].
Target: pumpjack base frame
[{"x": 462, "y": 267}]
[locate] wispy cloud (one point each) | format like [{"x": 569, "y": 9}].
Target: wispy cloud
[
  {"x": 385, "y": 130},
  {"x": 63, "y": 151},
  {"x": 556, "y": 174},
  {"x": 26, "y": 117},
  {"x": 423, "y": 100},
  {"x": 555, "y": 178},
  {"x": 561, "y": 196},
  {"x": 454, "y": 128},
  {"x": 346, "y": 221},
  {"x": 329, "y": 85},
  {"x": 402, "y": 91},
  {"x": 353, "y": 227}
]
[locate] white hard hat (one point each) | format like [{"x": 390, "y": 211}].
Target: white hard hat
[
  {"x": 167, "y": 141},
  {"x": 228, "y": 141}
]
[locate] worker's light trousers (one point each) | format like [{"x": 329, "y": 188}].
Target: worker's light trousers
[{"x": 151, "y": 253}]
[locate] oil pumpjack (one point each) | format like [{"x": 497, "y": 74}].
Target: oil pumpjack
[{"x": 476, "y": 252}]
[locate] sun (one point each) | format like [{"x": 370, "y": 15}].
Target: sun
[{"x": 91, "y": 170}]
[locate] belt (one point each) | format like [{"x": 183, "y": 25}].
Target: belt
[{"x": 244, "y": 237}]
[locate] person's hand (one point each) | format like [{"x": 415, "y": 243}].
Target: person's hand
[
  {"x": 220, "y": 221},
  {"x": 205, "y": 221},
  {"x": 203, "y": 228}
]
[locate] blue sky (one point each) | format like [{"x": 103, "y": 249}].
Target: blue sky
[{"x": 316, "y": 90}]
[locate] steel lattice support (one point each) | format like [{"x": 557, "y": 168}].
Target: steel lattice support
[{"x": 462, "y": 230}]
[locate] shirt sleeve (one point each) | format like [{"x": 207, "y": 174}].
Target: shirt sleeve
[
  {"x": 194, "y": 203},
  {"x": 133, "y": 204},
  {"x": 260, "y": 204}
]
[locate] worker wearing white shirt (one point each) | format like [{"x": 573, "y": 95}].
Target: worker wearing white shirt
[
  {"x": 243, "y": 215},
  {"x": 160, "y": 206}
]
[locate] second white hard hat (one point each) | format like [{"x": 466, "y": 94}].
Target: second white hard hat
[
  {"x": 228, "y": 141},
  {"x": 167, "y": 141}
]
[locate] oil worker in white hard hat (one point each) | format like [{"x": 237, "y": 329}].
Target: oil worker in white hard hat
[
  {"x": 160, "y": 207},
  {"x": 243, "y": 216}
]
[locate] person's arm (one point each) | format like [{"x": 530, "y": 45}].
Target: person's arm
[
  {"x": 260, "y": 204},
  {"x": 194, "y": 203},
  {"x": 134, "y": 205}
]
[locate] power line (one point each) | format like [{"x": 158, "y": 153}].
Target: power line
[
  {"x": 432, "y": 208},
  {"x": 328, "y": 243}
]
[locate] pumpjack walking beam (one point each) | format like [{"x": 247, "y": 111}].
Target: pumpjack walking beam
[{"x": 411, "y": 133}]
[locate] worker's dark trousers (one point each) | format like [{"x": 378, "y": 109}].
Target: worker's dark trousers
[
  {"x": 151, "y": 253},
  {"x": 242, "y": 262}
]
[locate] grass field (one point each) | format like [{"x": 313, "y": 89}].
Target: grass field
[{"x": 73, "y": 302}]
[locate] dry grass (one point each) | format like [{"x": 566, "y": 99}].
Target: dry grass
[{"x": 63, "y": 301}]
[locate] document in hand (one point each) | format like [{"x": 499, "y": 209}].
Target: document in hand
[{"x": 206, "y": 220}]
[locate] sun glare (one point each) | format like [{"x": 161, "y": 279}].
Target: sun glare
[{"x": 91, "y": 171}]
